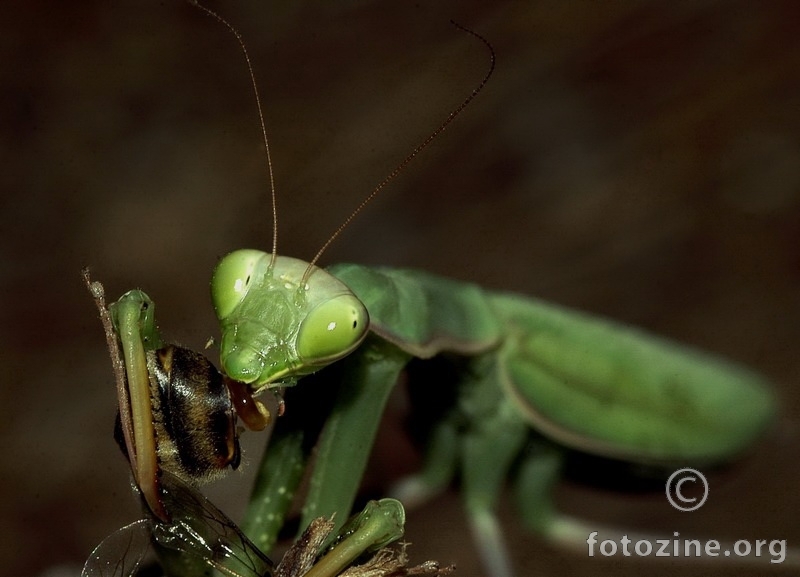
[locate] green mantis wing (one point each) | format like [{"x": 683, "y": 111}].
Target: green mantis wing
[{"x": 613, "y": 390}]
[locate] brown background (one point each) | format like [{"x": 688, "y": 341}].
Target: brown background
[{"x": 636, "y": 160}]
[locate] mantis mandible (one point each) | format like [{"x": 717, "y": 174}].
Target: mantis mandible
[{"x": 534, "y": 381}]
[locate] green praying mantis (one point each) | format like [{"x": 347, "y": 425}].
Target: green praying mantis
[{"x": 527, "y": 382}]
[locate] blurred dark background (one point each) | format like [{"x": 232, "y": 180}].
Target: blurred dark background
[{"x": 637, "y": 160}]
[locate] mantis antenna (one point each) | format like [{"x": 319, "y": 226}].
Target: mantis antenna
[
  {"x": 407, "y": 160},
  {"x": 239, "y": 39},
  {"x": 398, "y": 169}
]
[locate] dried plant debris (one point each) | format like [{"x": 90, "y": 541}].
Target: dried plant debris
[
  {"x": 301, "y": 556},
  {"x": 387, "y": 562},
  {"x": 393, "y": 562}
]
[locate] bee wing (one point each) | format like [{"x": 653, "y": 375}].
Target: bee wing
[
  {"x": 199, "y": 530},
  {"x": 120, "y": 554}
]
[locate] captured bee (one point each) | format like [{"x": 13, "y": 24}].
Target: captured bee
[
  {"x": 177, "y": 412},
  {"x": 193, "y": 415}
]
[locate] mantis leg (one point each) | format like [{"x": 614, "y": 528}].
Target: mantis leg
[
  {"x": 367, "y": 378},
  {"x": 489, "y": 448},
  {"x": 441, "y": 461},
  {"x": 334, "y": 413},
  {"x": 534, "y": 485},
  {"x": 280, "y": 473},
  {"x": 537, "y": 476},
  {"x": 134, "y": 323},
  {"x": 290, "y": 446}
]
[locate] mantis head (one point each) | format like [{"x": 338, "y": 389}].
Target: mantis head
[{"x": 278, "y": 322}]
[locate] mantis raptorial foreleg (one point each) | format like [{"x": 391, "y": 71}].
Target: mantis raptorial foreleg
[
  {"x": 347, "y": 437},
  {"x": 347, "y": 418}
]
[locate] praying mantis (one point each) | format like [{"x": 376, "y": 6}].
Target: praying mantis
[{"x": 502, "y": 368}]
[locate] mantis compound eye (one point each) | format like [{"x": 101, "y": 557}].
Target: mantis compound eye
[
  {"x": 196, "y": 432},
  {"x": 234, "y": 276},
  {"x": 332, "y": 329}
]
